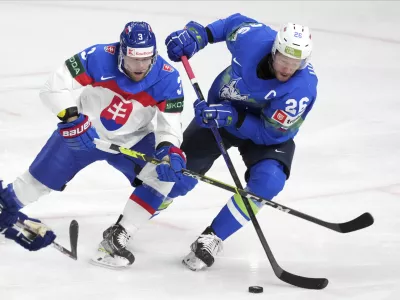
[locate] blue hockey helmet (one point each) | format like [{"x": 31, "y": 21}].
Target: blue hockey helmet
[{"x": 138, "y": 49}]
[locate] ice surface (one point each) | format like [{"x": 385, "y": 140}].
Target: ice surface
[{"x": 347, "y": 160}]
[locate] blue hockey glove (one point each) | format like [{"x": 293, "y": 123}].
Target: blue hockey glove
[
  {"x": 78, "y": 134},
  {"x": 199, "y": 106},
  {"x": 9, "y": 206},
  {"x": 183, "y": 186},
  {"x": 187, "y": 41},
  {"x": 174, "y": 162},
  {"x": 215, "y": 115},
  {"x": 38, "y": 236}
]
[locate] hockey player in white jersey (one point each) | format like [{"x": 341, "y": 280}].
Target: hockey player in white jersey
[{"x": 125, "y": 84}]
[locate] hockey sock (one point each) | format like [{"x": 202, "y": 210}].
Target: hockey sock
[
  {"x": 232, "y": 217},
  {"x": 143, "y": 203}
]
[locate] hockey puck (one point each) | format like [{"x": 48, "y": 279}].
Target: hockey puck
[{"x": 255, "y": 289}]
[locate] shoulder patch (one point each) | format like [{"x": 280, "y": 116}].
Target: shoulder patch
[
  {"x": 75, "y": 66},
  {"x": 110, "y": 49},
  {"x": 168, "y": 68},
  {"x": 174, "y": 105}
]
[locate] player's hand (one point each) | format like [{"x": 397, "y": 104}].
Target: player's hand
[
  {"x": 175, "y": 161},
  {"x": 183, "y": 186},
  {"x": 37, "y": 237},
  {"x": 187, "y": 41},
  {"x": 9, "y": 206},
  {"x": 215, "y": 115},
  {"x": 199, "y": 106},
  {"x": 78, "y": 134}
]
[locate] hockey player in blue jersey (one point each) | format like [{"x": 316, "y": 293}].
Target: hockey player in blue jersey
[
  {"x": 258, "y": 103},
  {"x": 125, "y": 84}
]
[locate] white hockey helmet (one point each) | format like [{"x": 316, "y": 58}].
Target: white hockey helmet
[{"x": 294, "y": 41}]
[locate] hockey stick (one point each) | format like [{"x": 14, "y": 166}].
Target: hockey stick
[
  {"x": 73, "y": 238},
  {"x": 303, "y": 282},
  {"x": 358, "y": 223}
]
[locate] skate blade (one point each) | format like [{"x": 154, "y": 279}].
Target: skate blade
[
  {"x": 193, "y": 263},
  {"x": 108, "y": 265},
  {"x": 104, "y": 259}
]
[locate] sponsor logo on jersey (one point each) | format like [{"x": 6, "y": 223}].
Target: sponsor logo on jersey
[
  {"x": 283, "y": 118},
  {"x": 230, "y": 92},
  {"x": 106, "y": 78},
  {"x": 110, "y": 49},
  {"x": 75, "y": 66},
  {"x": 116, "y": 114},
  {"x": 280, "y": 116},
  {"x": 174, "y": 105},
  {"x": 76, "y": 131},
  {"x": 168, "y": 68}
]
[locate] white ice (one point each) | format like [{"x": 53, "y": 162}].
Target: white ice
[{"x": 346, "y": 163}]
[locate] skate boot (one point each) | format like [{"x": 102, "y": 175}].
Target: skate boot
[
  {"x": 204, "y": 250},
  {"x": 112, "y": 252}
]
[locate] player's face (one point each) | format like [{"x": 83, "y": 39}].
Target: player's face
[
  {"x": 284, "y": 66},
  {"x": 137, "y": 68}
]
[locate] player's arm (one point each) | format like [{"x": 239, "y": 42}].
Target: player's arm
[
  {"x": 278, "y": 122},
  {"x": 57, "y": 95},
  {"x": 195, "y": 36},
  {"x": 169, "y": 131},
  {"x": 221, "y": 30},
  {"x": 169, "y": 119}
]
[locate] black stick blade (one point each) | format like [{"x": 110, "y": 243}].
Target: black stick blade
[
  {"x": 304, "y": 282},
  {"x": 361, "y": 222},
  {"x": 73, "y": 237}
]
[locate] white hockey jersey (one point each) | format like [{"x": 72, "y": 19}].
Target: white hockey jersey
[{"x": 120, "y": 109}]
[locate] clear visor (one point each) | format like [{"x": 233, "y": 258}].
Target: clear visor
[
  {"x": 287, "y": 64},
  {"x": 137, "y": 65}
]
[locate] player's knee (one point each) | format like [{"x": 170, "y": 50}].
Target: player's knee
[
  {"x": 267, "y": 179},
  {"x": 28, "y": 189}
]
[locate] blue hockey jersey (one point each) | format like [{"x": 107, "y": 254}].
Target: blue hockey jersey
[{"x": 274, "y": 110}]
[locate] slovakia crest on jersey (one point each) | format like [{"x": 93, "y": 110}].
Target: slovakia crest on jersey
[
  {"x": 115, "y": 115},
  {"x": 168, "y": 68},
  {"x": 110, "y": 49}
]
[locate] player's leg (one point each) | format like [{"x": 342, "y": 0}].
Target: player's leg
[
  {"x": 113, "y": 250},
  {"x": 200, "y": 148},
  {"x": 53, "y": 167},
  {"x": 149, "y": 195},
  {"x": 266, "y": 176}
]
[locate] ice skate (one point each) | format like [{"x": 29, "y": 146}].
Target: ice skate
[
  {"x": 203, "y": 251},
  {"x": 112, "y": 251}
]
